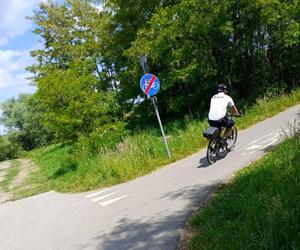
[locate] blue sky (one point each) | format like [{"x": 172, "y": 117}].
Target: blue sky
[{"x": 16, "y": 42}]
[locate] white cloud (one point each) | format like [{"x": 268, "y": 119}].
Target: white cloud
[
  {"x": 13, "y": 57},
  {"x": 5, "y": 79},
  {"x": 13, "y": 20},
  {"x": 12, "y": 72}
]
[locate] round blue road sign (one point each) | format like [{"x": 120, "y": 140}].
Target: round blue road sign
[{"x": 150, "y": 84}]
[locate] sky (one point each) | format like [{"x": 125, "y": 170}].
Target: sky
[{"x": 16, "y": 42}]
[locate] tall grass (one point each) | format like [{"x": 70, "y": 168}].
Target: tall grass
[
  {"x": 267, "y": 107},
  {"x": 136, "y": 156},
  {"x": 260, "y": 209},
  {"x": 69, "y": 168}
]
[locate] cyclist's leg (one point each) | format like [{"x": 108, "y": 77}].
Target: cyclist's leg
[
  {"x": 216, "y": 124},
  {"x": 228, "y": 124}
]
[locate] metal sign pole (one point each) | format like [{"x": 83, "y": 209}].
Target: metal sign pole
[
  {"x": 143, "y": 61},
  {"x": 161, "y": 127}
]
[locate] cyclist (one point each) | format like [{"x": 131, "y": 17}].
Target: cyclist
[{"x": 218, "y": 109}]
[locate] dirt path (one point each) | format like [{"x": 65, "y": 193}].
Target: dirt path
[
  {"x": 26, "y": 168},
  {"x": 4, "y": 167}
]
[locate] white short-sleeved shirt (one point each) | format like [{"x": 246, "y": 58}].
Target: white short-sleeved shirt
[{"x": 218, "y": 106}]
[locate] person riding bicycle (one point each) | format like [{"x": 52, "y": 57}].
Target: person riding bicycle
[{"x": 218, "y": 109}]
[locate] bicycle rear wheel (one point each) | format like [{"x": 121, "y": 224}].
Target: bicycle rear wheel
[
  {"x": 212, "y": 151},
  {"x": 231, "y": 139}
]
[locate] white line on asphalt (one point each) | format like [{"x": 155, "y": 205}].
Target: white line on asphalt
[
  {"x": 269, "y": 144},
  {"x": 262, "y": 143},
  {"x": 253, "y": 147},
  {"x": 106, "y": 203},
  {"x": 260, "y": 140},
  {"x": 95, "y": 194},
  {"x": 253, "y": 142},
  {"x": 103, "y": 197},
  {"x": 256, "y": 148}
]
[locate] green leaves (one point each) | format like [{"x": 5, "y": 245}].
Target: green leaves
[
  {"x": 197, "y": 44},
  {"x": 72, "y": 103},
  {"x": 22, "y": 118},
  {"x": 88, "y": 72}
]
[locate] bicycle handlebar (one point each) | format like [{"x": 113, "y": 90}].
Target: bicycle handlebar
[{"x": 229, "y": 114}]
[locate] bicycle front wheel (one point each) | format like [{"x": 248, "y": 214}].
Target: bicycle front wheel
[
  {"x": 231, "y": 139},
  {"x": 212, "y": 151}
]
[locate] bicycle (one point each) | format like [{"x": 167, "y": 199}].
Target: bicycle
[{"x": 218, "y": 143}]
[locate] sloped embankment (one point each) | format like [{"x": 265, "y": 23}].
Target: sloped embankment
[{"x": 13, "y": 175}]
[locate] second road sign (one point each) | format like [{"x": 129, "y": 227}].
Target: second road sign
[{"x": 150, "y": 84}]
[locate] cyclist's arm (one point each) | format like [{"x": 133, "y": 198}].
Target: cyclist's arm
[
  {"x": 234, "y": 110},
  {"x": 233, "y": 107}
]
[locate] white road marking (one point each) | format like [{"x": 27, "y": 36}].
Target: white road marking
[
  {"x": 253, "y": 147},
  {"x": 263, "y": 142},
  {"x": 95, "y": 194},
  {"x": 260, "y": 140},
  {"x": 106, "y": 203},
  {"x": 269, "y": 144},
  {"x": 103, "y": 197},
  {"x": 255, "y": 141},
  {"x": 94, "y": 198}
]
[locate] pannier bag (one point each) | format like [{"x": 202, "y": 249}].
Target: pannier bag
[{"x": 210, "y": 132}]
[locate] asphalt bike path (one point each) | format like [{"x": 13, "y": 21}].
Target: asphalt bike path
[{"x": 147, "y": 213}]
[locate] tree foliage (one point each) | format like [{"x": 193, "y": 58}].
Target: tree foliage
[
  {"x": 76, "y": 87},
  {"x": 8, "y": 149},
  {"x": 197, "y": 44},
  {"x": 23, "y": 119},
  {"x": 87, "y": 72},
  {"x": 72, "y": 104}
]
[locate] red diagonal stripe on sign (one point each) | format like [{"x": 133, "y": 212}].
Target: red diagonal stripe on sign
[{"x": 150, "y": 84}]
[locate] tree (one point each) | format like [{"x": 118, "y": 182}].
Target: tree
[
  {"x": 13, "y": 113},
  {"x": 95, "y": 46},
  {"x": 72, "y": 104},
  {"x": 75, "y": 87},
  {"x": 253, "y": 46},
  {"x": 8, "y": 149},
  {"x": 126, "y": 18},
  {"x": 81, "y": 74},
  {"x": 178, "y": 44},
  {"x": 23, "y": 120}
]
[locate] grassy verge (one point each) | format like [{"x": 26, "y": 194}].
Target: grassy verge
[
  {"x": 260, "y": 209},
  {"x": 11, "y": 174},
  {"x": 267, "y": 107},
  {"x": 69, "y": 169}
]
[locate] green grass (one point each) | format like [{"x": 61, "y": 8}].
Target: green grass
[
  {"x": 267, "y": 107},
  {"x": 12, "y": 172},
  {"x": 259, "y": 209},
  {"x": 70, "y": 169}
]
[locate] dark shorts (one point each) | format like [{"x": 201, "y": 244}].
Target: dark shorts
[{"x": 224, "y": 122}]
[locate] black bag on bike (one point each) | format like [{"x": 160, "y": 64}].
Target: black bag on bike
[{"x": 210, "y": 132}]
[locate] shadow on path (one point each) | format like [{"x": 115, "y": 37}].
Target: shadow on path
[
  {"x": 161, "y": 230},
  {"x": 203, "y": 163}
]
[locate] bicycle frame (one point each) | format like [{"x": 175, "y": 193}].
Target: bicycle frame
[{"x": 218, "y": 143}]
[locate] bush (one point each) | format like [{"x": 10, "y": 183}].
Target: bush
[
  {"x": 104, "y": 138},
  {"x": 8, "y": 150}
]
